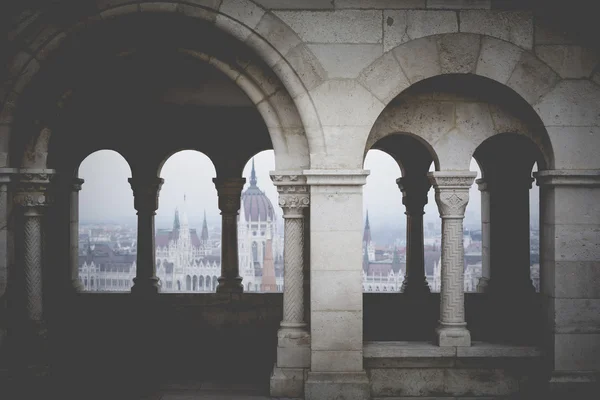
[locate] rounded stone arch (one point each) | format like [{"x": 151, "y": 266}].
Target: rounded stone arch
[
  {"x": 452, "y": 114},
  {"x": 411, "y": 152},
  {"x": 482, "y": 56},
  {"x": 256, "y": 30}
]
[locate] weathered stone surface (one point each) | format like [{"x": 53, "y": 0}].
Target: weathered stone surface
[
  {"x": 336, "y": 290},
  {"x": 407, "y": 382},
  {"x": 157, "y": 6},
  {"x": 384, "y": 78},
  {"x": 474, "y": 121},
  {"x": 342, "y": 246},
  {"x": 419, "y": 59},
  {"x": 305, "y": 64},
  {"x": 295, "y": 4},
  {"x": 336, "y": 330},
  {"x": 347, "y": 386},
  {"x": 576, "y": 279},
  {"x": 460, "y": 4},
  {"x": 336, "y": 361},
  {"x": 338, "y": 100},
  {"x": 569, "y": 61},
  {"x": 545, "y": 34},
  {"x": 497, "y": 59},
  {"x": 247, "y": 13},
  {"x": 345, "y": 26},
  {"x": 345, "y": 60},
  {"x": 576, "y": 315},
  {"x": 383, "y": 4},
  {"x": 458, "y": 53},
  {"x": 575, "y": 147},
  {"x": 513, "y": 26},
  {"x": 532, "y": 78},
  {"x": 402, "y": 26},
  {"x": 577, "y": 352},
  {"x": 330, "y": 206},
  {"x": 287, "y": 382},
  {"x": 278, "y": 34},
  {"x": 575, "y": 244},
  {"x": 571, "y": 103}
]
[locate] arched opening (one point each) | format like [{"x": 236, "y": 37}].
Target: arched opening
[
  {"x": 510, "y": 279},
  {"x": 187, "y": 220},
  {"x": 384, "y": 235},
  {"x": 260, "y": 228},
  {"x": 107, "y": 229}
]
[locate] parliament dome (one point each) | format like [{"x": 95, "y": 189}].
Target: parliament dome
[{"x": 257, "y": 206}]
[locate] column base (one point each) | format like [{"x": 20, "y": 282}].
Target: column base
[
  {"x": 337, "y": 385},
  {"x": 76, "y": 286},
  {"x": 227, "y": 285},
  {"x": 287, "y": 382},
  {"x": 147, "y": 286},
  {"x": 453, "y": 335},
  {"x": 293, "y": 348},
  {"x": 415, "y": 288}
]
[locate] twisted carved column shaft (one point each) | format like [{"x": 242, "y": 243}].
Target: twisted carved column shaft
[
  {"x": 229, "y": 191},
  {"x": 145, "y": 192},
  {"x": 32, "y": 196},
  {"x": 452, "y": 196}
]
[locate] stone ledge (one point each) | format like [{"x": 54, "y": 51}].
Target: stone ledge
[{"x": 388, "y": 350}]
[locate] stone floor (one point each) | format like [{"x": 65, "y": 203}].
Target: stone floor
[{"x": 211, "y": 391}]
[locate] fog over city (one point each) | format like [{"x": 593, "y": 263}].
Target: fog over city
[{"x": 107, "y": 196}]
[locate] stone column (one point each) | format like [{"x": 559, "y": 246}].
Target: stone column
[
  {"x": 336, "y": 298},
  {"x": 293, "y": 340},
  {"x": 509, "y": 227},
  {"x": 32, "y": 196},
  {"x": 452, "y": 196},
  {"x": 485, "y": 236},
  {"x": 414, "y": 197},
  {"x": 569, "y": 269},
  {"x": 145, "y": 194},
  {"x": 6, "y": 179},
  {"x": 74, "y": 235},
  {"x": 230, "y": 193}
]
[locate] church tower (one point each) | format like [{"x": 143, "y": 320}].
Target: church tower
[{"x": 268, "y": 283}]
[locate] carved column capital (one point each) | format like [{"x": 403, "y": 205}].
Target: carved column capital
[
  {"x": 145, "y": 192},
  {"x": 229, "y": 191},
  {"x": 482, "y": 185},
  {"x": 452, "y": 192},
  {"x": 294, "y": 194},
  {"x": 414, "y": 193},
  {"x": 76, "y": 184},
  {"x": 32, "y": 189}
]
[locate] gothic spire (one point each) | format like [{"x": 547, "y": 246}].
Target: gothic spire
[
  {"x": 204, "y": 235},
  {"x": 176, "y": 223},
  {"x": 253, "y": 175},
  {"x": 367, "y": 232}
]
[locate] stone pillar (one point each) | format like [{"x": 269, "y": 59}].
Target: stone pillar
[
  {"x": 6, "y": 179},
  {"x": 32, "y": 196},
  {"x": 230, "y": 193},
  {"x": 336, "y": 298},
  {"x": 569, "y": 271},
  {"x": 509, "y": 232},
  {"x": 74, "y": 235},
  {"x": 293, "y": 340},
  {"x": 485, "y": 236},
  {"x": 414, "y": 197},
  {"x": 452, "y": 196},
  {"x": 145, "y": 195}
]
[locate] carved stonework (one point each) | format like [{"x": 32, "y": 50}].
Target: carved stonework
[
  {"x": 145, "y": 193},
  {"x": 293, "y": 305},
  {"x": 33, "y": 266},
  {"x": 293, "y": 203},
  {"x": 33, "y": 189},
  {"x": 77, "y": 184},
  {"x": 452, "y": 192},
  {"x": 229, "y": 191},
  {"x": 414, "y": 193}
]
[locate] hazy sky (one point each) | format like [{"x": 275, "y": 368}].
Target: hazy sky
[{"x": 106, "y": 194}]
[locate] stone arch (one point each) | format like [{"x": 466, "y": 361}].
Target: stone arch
[
  {"x": 467, "y": 54},
  {"x": 257, "y": 30},
  {"x": 451, "y": 115}
]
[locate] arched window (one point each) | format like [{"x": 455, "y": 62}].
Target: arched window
[
  {"x": 194, "y": 283},
  {"x": 188, "y": 283},
  {"x": 105, "y": 198},
  {"x": 254, "y": 252}
]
